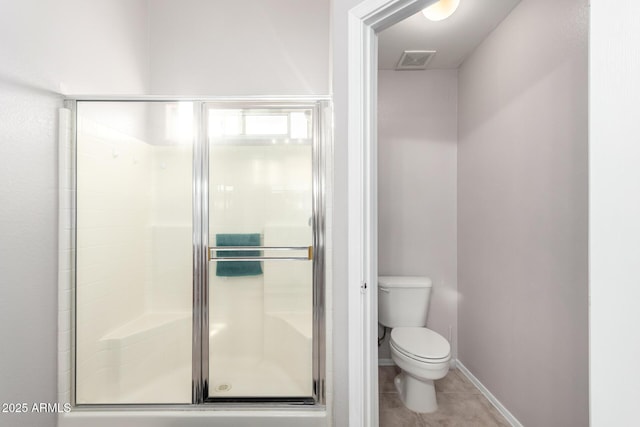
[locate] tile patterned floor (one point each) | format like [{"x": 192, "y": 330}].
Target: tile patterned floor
[{"x": 460, "y": 404}]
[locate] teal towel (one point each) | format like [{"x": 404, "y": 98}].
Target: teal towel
[{"x": 238, "y": 268}]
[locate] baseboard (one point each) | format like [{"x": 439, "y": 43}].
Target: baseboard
[
  {"x": 385, "y": 362},
  {"x": 495, "y": 402}
]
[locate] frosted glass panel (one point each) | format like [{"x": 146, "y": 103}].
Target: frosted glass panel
[
  {"x": 134, "y": 252},
  {"x": 260, "y": 312}
]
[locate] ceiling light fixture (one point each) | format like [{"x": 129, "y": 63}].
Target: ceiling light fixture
[{"x": 441, "y": 10}]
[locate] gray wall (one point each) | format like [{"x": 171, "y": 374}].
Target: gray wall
[
  {"x": 417, "y": 144},
  {"x": 522, "y": 219}
]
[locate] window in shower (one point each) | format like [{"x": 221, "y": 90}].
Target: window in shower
[{"x": 199, "y": 253}]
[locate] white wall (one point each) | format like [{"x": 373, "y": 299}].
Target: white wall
[
  {"x": 220, "y": 47},
  {"x": 47, "y": 47},
  {"x": 75, "y": 46},
  {"x": 28, "y": 249},
  {"x": 417, "y": 145},
  {"x": 522, "y": 218},
  {"x": 614, "y": 206}
]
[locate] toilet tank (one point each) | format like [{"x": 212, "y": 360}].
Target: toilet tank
[{"x": 403, "y": 300}]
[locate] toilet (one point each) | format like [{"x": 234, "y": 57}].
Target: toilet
[{"x": 421, "y": 354}]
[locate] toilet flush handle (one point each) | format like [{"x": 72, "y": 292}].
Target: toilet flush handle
[{"x": 385, "y": 290}]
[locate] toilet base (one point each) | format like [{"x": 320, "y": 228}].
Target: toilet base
[{"x": 417, "y": 395}]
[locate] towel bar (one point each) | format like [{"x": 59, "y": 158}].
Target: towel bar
[{"x": 213, "y": 256}]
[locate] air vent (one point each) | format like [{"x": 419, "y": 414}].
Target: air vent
[{"x": 415, "y": 59}]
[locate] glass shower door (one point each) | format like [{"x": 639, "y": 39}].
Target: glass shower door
[{"x": 261, "y": 239}]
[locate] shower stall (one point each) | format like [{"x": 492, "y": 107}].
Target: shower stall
[{"x": 199, "y": 252}]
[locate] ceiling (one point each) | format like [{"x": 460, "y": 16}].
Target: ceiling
[{"x": 453, "y": 39}]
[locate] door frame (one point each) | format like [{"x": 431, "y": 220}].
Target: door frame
[{"x": 365, "y": 21}]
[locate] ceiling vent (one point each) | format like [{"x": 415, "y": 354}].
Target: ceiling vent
[{"x": 415, "y": 59}]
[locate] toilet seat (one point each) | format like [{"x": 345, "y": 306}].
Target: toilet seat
[{"x": 421, "y": 344}]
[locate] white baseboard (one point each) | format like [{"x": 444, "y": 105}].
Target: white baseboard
[
  {"x": 495, "y": 402},
  {"x": 385, "y": 362}
]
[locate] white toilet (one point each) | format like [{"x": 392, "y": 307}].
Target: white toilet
[{"x": 422, "y": 354}]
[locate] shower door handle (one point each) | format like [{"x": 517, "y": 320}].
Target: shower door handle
[{"x": 213, "y": 256}]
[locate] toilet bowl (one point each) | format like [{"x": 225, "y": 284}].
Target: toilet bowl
[{"x": 422, "y": 356}]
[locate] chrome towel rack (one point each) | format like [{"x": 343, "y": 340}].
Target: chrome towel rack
[{"x": 213, "y": 256}]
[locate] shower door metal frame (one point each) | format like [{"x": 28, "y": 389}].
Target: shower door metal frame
[
  {"x": 200, "y": 330},
  {"x": 316, "y": 253}
]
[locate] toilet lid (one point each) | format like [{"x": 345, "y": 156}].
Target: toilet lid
[{"x": 420, "y": 343}]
